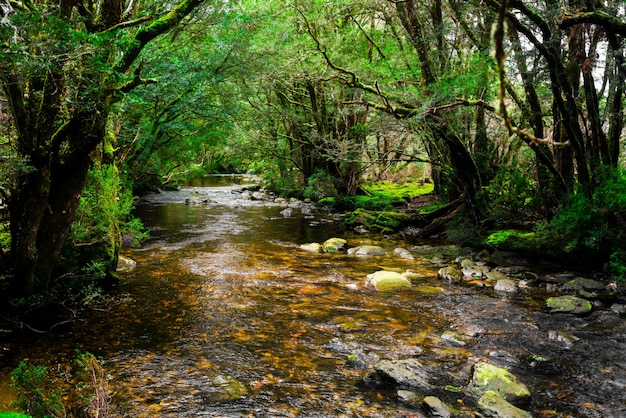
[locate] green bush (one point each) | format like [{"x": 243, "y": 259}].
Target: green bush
[
  {"x": 35, "y": 392},
  {"x": 83, "y": 392},
  {"x": 511, "y": 196},
  {"x": 320, "y": 185},
  {"x": 590, "y": 228}
]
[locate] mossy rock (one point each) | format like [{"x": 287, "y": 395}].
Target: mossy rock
[
  {"x": 334, "y": 245},
  {"x": 387, "y": 281},
  {"x": 488, "y": 377},
  {"x": 569, "y": 304},
  {"x": 384, "y": 221},
  {"x": 493, "y": 405},
  {"x": 367, "y": 250}
]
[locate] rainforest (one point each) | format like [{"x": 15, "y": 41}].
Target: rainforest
[{"x": 312, "y": 208}]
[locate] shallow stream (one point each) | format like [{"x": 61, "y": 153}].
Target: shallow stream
[{"x": 222, "y": 293}]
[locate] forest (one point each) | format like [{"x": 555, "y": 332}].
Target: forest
[
  {"x": 507, "y": 115},
  {"x": 513, "y": 110}
]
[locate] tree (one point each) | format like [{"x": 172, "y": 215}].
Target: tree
[
  {"x": 63, "y": 65},
  {"x": 570, "y": 58}
]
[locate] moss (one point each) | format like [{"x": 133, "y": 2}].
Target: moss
[
  {"x": 386, "y": 195},
  {"x": 513, "y": 240},
  {"x": 385, "y": 221}
]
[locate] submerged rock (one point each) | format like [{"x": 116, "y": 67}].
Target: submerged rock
[
  {"x": 225, "y": 388},
  {"x": 387, "y": 280},
  {"x": 569, "y": 304},
  {"x": 334, "y": 245},
  {"x": 488, "y": 377},
  {"x": 456, "y": 338},
  {"x": 491, "y": 404},
  {"x": 400, "y": 373}
]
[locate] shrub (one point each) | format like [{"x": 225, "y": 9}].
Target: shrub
[
  {"x": 320, "y": 185},
  {"x": 511, "y": 195},
  {"x": 590, "y": 228},
  {"x": 35, "y": 391},
  {"x": 82, "y": 392}
]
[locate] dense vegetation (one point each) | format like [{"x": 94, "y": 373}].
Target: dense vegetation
[{"x": 512, "y": 110}]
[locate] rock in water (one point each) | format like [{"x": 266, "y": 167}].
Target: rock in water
[
  {"x": 491, "y": 404},
  {"x": 488, "y": 377},
  {"x": 403, "y": 373},
  {"x": 569, "y": 304},
  {"x": 367, "y": 250},
  {"x": 312, "y": 247},
  {"x": 334, "y": 245},
  {"x": 387, "y": 280}
]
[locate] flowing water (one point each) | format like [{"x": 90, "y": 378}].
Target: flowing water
[{"x": 222, "y": 294}]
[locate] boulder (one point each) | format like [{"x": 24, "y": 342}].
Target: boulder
[
  {"x": 387, "y": 280},
  {"x": 568, "y": 304},
  {"x": 334, "y": 245},
  {"x": 580, "y": 283},
  {"x": 451, "y": 274},
  {"x": 491, "y": 404},
  {"x": 506, "y": 286},
  {"x": 403, "y": 253},
  {"x": 412, "y": 399},
  {"x": 435, "y": 408},
  {"x": 312, "y": 247},
  {"x": 125, "y": 263},
  {"x": 488, "y": 377},
  {"x": 408, "y": 373},
  {"x": 367, "y": 250}
]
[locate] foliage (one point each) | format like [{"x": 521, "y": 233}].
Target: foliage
[
  {"x": 591, "y": 228},
  {"x": 37, "y": 394},
  {"x": 79, "y": 391},
  {"x": 320, "y": 185},
  {"x": 511, "y": 195},
  {"x": 13, "y": 415},
  {"x": 104, "y": 210},
  {"x": 513, "y": 240},
  {"x": 93, "y": 388}
]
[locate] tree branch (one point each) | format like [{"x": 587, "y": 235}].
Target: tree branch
[
  {"x": 607, "y": 21},
  {"x": 156, "y": 28}
]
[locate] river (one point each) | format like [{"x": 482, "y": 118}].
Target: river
[{"x": 222, "y": 293}]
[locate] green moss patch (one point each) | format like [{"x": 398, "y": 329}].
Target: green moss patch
[
  {"x": 385, "y": 221},
  {"x": 386, "y": 195},
  {"x": 513, "y": 240}
]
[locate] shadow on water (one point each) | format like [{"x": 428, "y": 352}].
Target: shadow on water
[{"x": 222, "y": 294}]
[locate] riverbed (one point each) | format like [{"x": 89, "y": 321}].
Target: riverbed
[{"x": 223, "y": 300}]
